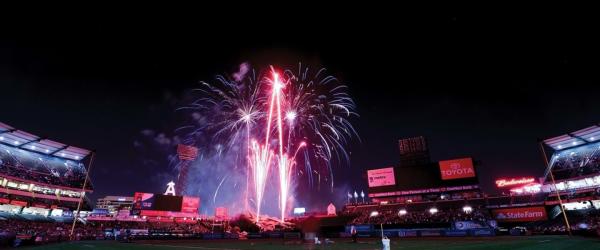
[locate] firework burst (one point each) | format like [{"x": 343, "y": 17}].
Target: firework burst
[
  {"x": 309, "y": 111},
  {"x": 318, "y": 111}
]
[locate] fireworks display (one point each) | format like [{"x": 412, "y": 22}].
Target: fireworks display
[{"x": 294, "y": 113}]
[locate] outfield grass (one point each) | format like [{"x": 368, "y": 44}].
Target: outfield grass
[{"x": 504, "y": 242}]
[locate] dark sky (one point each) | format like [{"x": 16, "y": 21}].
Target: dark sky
[{"x": 485, "y": 86}]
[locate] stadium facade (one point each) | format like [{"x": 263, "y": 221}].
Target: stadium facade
[{"x": 40, "y": 177}]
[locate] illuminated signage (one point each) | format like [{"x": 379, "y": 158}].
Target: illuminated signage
[
  {"x": 381, "y": 177},
  {"x": 514, "y": 181},
  {"x": 457, "y": 169},
  {"x": 299, "y": 210},
  {"x": 522, "y": 214}
]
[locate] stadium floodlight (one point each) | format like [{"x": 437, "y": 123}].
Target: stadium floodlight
[
  {"x": 1, "y": 138},
  {"x": 592, "y": 138},
  {"x": 47, "y": 151},
  {"x": 467, "y": 209},
  {"x": 402, "y": 212},
  {"x": 374, "y": 214},
  {"x": 76, "y": 157},
  {"x": 574, "y": 143},
  {"x": 16, "y": 142},
  {"x": 559, "y": 146},
  {"x": 62, "y": 154},
  {"x": 433, "y": 210},
  {"x": 33, "y": 147}
]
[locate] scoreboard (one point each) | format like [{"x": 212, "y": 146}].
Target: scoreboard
[{"x": 166, "y": 203}]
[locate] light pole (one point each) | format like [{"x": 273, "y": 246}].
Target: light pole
[{"x": 362, "y": 194}]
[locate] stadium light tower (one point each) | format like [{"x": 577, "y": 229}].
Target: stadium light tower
[
  {"x": 362, "y": 194},
  {"x": 187, "y": 154}
]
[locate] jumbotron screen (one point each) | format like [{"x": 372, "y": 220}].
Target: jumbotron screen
[{"x": 159, "y": 202}]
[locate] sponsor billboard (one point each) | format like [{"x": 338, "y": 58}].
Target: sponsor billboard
[
  {"x": 464, "y": 225},
  {"x": 514, "y": 182},
  {"x": 221, "y": 213},
  {"x": 520, "y": 214},
  {"x": 381, "y": 177},
  {"x": 457, "y": 169},
  {"x": 190, "y": 204}
]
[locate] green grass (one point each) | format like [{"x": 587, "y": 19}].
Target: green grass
[{"x": 503, "y": 242}]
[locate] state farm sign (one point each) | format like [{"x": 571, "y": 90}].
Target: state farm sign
[
  {"x": 521, "y": 214},
  {"x": 457, "y": 169}
]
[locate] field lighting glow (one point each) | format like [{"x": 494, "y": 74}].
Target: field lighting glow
[{"x": 467, "y": 209}]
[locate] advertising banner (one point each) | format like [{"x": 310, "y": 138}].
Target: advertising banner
[
  {"x": 483, "y": 232},
  {"x": 458, "y": 233},
  {"x": 457, "y": 169},
  {"x": 425, "y": 233},
  {"x": 520, "y": 214},
  {"x": 190, "y": 204},
  {"x": 464, "y": 225},
  {"x": 18, "y": 203},
  {"x": 221, "y": 213},
  {"x": 381, "y": 177}
]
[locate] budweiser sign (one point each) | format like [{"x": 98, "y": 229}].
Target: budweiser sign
[
  {"x": 521, "y": 214},
  {"x": 513, "y": 181},
  {"x": 457, "y": 169}
]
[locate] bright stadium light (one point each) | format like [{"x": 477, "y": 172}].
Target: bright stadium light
[
  {"x": 62, "y": 154},
  {"x": 374, "y": 214},
  {"x": 16, "y": 142},
  {"x": 402, "y": 212},
  {"x": 467, "y": 209},
  {"x": 47, "y": 151},
  {"x": 76, "y": 157},
  {"x": 1, "y": 138},
  {"x": 559, "y": 146},
  {"x": 592, "y": 138},
  {"x": 433, "y": 210},
  {"x": 32, "y": 147},
  {"x": 574, "y": 143}
]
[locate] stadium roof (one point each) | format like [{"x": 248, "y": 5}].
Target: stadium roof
[
  {"x": 574, "y": 139},
  {"x": 21, "y": 139}
]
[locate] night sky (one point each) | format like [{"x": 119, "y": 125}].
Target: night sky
[{"x": 485, "y": 86}]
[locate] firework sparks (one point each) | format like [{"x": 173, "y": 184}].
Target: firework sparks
[
  {"x": 313, "y": 109},
  {"x": 318, "y": 111},
  {"x": 259, "y": 162}
]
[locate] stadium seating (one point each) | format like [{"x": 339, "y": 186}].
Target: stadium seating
[{"x": 25, "y": 165}]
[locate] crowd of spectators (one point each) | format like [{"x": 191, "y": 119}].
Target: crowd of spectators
[
  {"x": 41, "y": 168},
  {"x": 575, "y": 162},
  {"x": 432, "y": 216},
  {"x": 45, "y": 232},
  {"x": 587, "y": 224}
]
